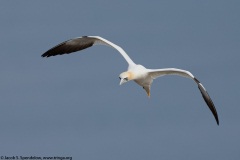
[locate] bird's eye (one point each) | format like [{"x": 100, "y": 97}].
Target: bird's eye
[
  {"x": 126, "y": 79},
  {"x": 119, "y": 77}
]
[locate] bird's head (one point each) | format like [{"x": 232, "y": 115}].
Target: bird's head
[{"x": 125, "y": 77}]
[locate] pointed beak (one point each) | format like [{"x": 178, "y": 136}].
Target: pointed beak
[{"x": 121, "y": 81}]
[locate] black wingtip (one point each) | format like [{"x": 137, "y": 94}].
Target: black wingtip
[
  {"x": 46, "y": 55},
  {"x": 208, "y": 100},
  {"x": 43, "y": 56},
  {"x": 69, "y": 46}
]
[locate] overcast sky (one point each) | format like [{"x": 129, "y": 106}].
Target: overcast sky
[{"x": 72, "y": 105}]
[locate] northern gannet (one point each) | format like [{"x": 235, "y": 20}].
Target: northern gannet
[{"x": 136, "y": 72}]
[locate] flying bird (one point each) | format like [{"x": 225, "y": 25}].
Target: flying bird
[{"x": 135, "y": 72}]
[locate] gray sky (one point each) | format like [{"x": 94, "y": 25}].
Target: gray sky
[{"x": 72, "y": 105}]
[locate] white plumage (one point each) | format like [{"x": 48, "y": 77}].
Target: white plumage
[{"x": 138, "y": 73}]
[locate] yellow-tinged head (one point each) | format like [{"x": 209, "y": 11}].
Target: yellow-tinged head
[{"x": 125, "y": 77}]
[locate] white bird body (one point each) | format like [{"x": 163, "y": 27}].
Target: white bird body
[
  {"x": 136, "y": 72},
  {"x": 140, "y": 75}
]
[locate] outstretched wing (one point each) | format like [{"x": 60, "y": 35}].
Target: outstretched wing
[
  {"x": 154, "y": 73},
  {"x": 80, "y": 43}
]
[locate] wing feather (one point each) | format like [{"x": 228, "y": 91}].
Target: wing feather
[
  {"x": 80, "y": 43},
  {"x": 154, "y": 73}
]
